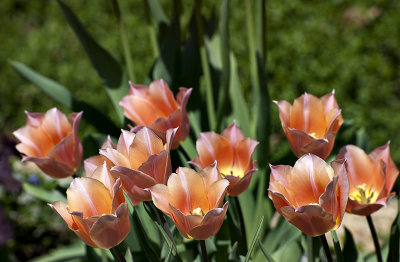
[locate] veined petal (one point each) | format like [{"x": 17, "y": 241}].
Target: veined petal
[
  {"x": 55, "y": 125},
  {"x": 284, "y": 108},
  {"x": 161, "y": 96},
  {"x": 160, "y": 197},
  {"x": 212, "y": 146},
  {"x": 51, "y": 166},
  {"x": 233, "y": 134}
]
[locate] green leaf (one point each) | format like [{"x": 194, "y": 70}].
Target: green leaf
[
  {"x": 255, "y": 238},
  {"x": 240, "y": 108},
  {"x": 394, "y": 241},
  {"x": 43, "y": 194},
  {"x": 289, "y": 252},
  {"x": 69, "y": 253},
  {"x": 157, "y": 12},
  {"x": 350, "y": 249},
  {"x": 63, "y": 96},
  {"x": 114, "y": 80},
  {"x": 265, "y": 253}
]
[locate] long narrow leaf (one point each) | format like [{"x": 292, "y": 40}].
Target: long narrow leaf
[
  {"x": 338, "y": 250},
  {"x": 394, "y": 242},
  {"x": 63, "y": 96},
  {"x": 43, "y": 194},
  {"x": 114, "y": 80},
  {"x": 254, "y": 241},
  {"x": 350, "y": 249},
  {"x": 265, "y": 253}
]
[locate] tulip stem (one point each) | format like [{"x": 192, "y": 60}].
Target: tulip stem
[
  {"x": 310, "y": 249},
  {"x": 375, "y": 238},
  {"x": 336, "y": 243},
  {"x": 203, "y": 250},
  {"x": 117, "y": 254},
  {"x": 241, "y": 220},
  {"x": 326, "y": 248}
]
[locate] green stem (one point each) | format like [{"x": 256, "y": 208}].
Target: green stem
[
  {"x": 206, "y": 70},
  {"x": 241, "y": 220},
  {"x": 326, "y": 248},
  {"x": 310, "y": 250},
  {"x": 204, "y": 255},
  {"x": 117, "y": 254},
  {"x": 375, "y": 238},
  {"x": 336, "y": 243}
]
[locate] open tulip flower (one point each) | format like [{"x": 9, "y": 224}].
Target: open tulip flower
[
  {"x": 311, "y": 123},
  {"x": 312, "y": 195},
  {"x": 141, "y": 160},
  {"x": 155, "y": 106},
  {"x": 96, "y": 209},
  {"x": 371, "y": 178},
  {"x": 51, "y": 142},
  {"x": 192, "y": 200},
  {"x": 91, "y": 163},
  {"x": 233, "y": 153}
]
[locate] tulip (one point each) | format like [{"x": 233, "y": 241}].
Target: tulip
[
  {"x": 192, "y": 200},
  {"x": 311, "y": 123},
  {"x": 140, "y": 160},
  {"x": 233, "y": 153},
  {"x": 91, "y": 163},
  {"x": 96, "y": 209},
  {"x": 154, "y": 106},
  {"x": 371, "y": 178},
  {"x": 51, "y": 142},
  {"x": 312, "y": 195}
]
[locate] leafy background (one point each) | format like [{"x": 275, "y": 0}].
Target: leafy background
[{"x": 311, "y": 46}]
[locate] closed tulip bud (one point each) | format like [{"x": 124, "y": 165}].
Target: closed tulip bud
[
  {"x": 192, "y": 200},
  {"x": 371, "y": 178},
  {"x": 140, "y": 160},
  {"x": 311, "y": 124},
  {"x": 155, "y": 106},
  {"x": 312, "y": 195},
  {"x": 233, "y": 153},
  {"x": 51, "y": 142},
  {"x": 96, "y": 210}
]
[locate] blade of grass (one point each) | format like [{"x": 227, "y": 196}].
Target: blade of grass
[
  {"x": 338, "y": 250},
  {"x": 255, "y": 238},
  {"x": 265, "y": 253}
]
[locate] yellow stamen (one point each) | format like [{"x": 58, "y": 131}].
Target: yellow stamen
[
  {"x": 363, "y": 195},
  {"x": 232, "y": 172},
  {"x": 197, "y": 211}
]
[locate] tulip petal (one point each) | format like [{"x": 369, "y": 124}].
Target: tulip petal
[
  {"x": 342, "y": 187},
  {"x": 216, "y": 193},
  {"x": 212, "y": 146},
  {"x": 243, "y": 153},
  {"x": 140, "y": 110},
  {"x": 160, "y": 197},
  {"x": 124, "y": 142},
  {"x": 160, "y": 95},
  {"x": 284, "y": 108},
  {"x": 62, "y": 209},
  {"x": 109, "y": 230},
  {"x": 156, "y": 167},
  {"x": 102, "y": 174},
  {"x": 211, "y": 223},
  {"x": 238, "y": 185},
  {"x": 180, "y": 221},
  {"x": 84, "y": 226},
  {"x": 51, "y": 166},
  {"x": 115, "y": 157},
  {"x": 233, "y": 134},
  {"x": 55, "y": 125},
  {"x": 311, "y": 219},
  {"x": 89, "y": 196}
]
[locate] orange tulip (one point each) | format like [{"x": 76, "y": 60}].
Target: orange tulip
[
  {"x": 96, "y": 209},
  {"x": 312, "y": 195},
  {"x": 233, "y": 153},
  {"x": 141, "y": 160},
  {"x": 91, "y": 163},
  {"x": 192, "y": 200},
  {"x": 371, "y": 178},
  {"x": 154, "y": 106},
  {"x": 51, "y": 142},
  {"x": 311, "y": 123}
]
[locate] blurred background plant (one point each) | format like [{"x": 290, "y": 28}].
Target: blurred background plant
[{"x": 315, "y": 46}]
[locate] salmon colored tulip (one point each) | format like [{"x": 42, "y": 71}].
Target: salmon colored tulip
[
  {"x": 141, "y": 160},
  {"x": 311, "y": 123},
  {"x": 155, "y": 106},
  {"x": 371, "y": 178},
  {"x": 312, "y": 195},
  {"x": 91, "y": 163},
  {"x": 233, "y": 153},
  {"x": 51, "y": 142},
  {"x": 192, "y": 200},
  {"x": 96, "y": 209}
]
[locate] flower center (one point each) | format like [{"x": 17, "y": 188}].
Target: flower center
[
  {"x": 231, "y": 172},
  {"x": 364, "y": 195},
  {"x": 197, "y": 211}
]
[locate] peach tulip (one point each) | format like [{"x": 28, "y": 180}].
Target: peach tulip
[
  {"x": 192, "y": 200},
  {"x": 141, "y": 160},
  {"x": 233, "y": 153},
  {"x": 96, "y": 209},
  {"x": 91, "y": 163},
  {"x": 371, "y": 178},
  {"x": 312, "y": 195},
  {"x": 311, "y": 123},
  {"x": 51, "y": 142},
  {"x": 155, "y": 106}
]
